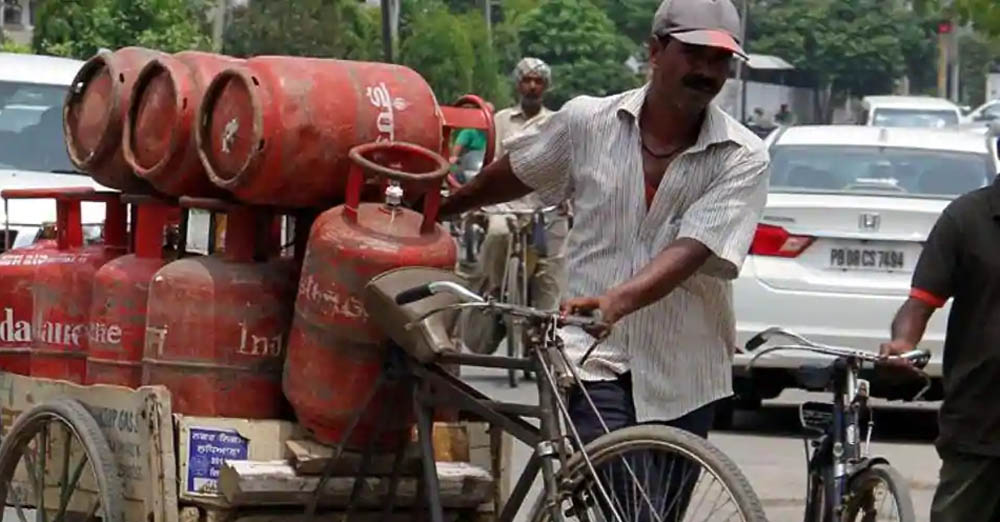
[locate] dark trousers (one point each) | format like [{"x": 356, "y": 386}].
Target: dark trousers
[
  {"x": 678, "y": 476},
  {"x": 967, "y": 489}
]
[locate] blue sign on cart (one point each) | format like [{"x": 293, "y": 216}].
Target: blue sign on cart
[{"x": 208, "y": 448}]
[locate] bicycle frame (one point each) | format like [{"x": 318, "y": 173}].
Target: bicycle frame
[
  {"x": 434, "y": 386},
  {"x": 443, "y": 389},
  {"x": 838, "y": 452}
]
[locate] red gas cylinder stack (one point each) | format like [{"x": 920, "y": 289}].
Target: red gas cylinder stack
[
  {"x": 17, "y": 280},
  {"x": 277, "y": 131},
  {"x": 63, "y": 282},
  {"x": 335, "y": 352},
  {"x": 118, "y": 306},
  {"x": 94, "y": 112},
  {"x": 159, "y": 140},
  {"x": 216, "y": 325},
  {"x": 17, "y": 277}
]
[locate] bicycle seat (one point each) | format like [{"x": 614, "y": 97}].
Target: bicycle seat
[{"x": 432, "y": 337}]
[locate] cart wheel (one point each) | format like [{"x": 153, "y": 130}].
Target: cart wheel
[{"x": 73, "y": 479}]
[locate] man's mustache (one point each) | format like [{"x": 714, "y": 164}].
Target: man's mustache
[{"x": 701, "y": 83}]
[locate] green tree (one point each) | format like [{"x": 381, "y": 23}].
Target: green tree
[
  {"x": 319, "y": 28},
  {"x": 977, "y": 53},
  {"x": 984, "y": 15},
  {"x": 74, "y": 28},
  {"x": 634, "y": 18},
  {"x": 10, "y": 46},
  {"x": 487, "y": 81},
  {"x": 506, "y": 41},
  {"x": 439, "y": 48},
  {"x": 78, "y": 28},
  {"x": 918, "y": 43},
  {"x": 450, "y": 48},
  {"x": 581, "y": 43},
  {"x": 846, "y": 44}
]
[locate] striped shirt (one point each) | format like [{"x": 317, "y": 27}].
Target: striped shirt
[{"x": 679, "y": 349}]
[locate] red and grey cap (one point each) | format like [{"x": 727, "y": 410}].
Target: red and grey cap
[{"x": 715, "y": 23}]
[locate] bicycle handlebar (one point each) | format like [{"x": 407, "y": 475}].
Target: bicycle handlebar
[
  {"x": 437, "y": 287},
  {"x": 518, "y": 212},
  {"x": 472, "y": 300},
  {"x": 919, "y": 358}
]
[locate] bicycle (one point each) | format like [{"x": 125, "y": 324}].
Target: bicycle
[
  {"x": 596, "y": 481},
  {"x": 843, "y": 477},
  {"x": 527, "y": 243}
]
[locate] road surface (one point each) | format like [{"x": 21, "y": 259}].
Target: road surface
[{"x": 767, "y": 446}]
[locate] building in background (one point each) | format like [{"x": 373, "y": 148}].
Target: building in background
[
  {"x": 769, "y": 82},
  {"x": 17, "y": 19},
  {"x": 993, "y": 82}
]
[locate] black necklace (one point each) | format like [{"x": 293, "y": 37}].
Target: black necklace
[{"x": 654, "y": 154}]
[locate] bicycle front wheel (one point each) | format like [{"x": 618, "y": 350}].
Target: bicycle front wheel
[
  {"x": 652, "y": 473},
  {"x": 879, "y": 493}
]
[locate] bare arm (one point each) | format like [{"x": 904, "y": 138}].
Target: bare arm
[
  {"x": 496, "y": 183},
  {"x": 933, "y": 284},
  {"x": 662, "y": 275},
  {"x": 666, "y": 271},
  {"x": 908, "y": 326}
]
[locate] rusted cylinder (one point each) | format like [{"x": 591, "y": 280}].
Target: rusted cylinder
[
  {"x": 335, "y": 351},
  {"x": 277, "y": 131},
  {"x": 159, "y": 139},
  {"x": 216, "y": 325},
  {"x": 63, "y": 282},
  {"x": 94, "y": 113},
  {"x": 117, "y": 331},
  {"x": 17, "y": 279}
]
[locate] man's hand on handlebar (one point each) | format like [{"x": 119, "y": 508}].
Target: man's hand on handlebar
[
  {"x": 891, "y": 350},
  {"x": 604, "y": 305}
]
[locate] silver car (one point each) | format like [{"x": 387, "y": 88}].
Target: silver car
[{"x": 832, "y": 259}]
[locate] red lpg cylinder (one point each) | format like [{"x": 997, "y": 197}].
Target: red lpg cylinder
[
  {"x": 159, "y": 140},
  {"x": 17, "y": 278},
  {"x": 63, "y": 282},
  {"x": 335, "y": 352},
  {"x": 118, "y": 306},
  {"x": 278, "y": 130},
  {"x": 95, "y": 111},
  {"x": 216, "y": 325}
]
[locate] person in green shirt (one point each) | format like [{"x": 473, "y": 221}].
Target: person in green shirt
[{"x": 467, "y": 140}]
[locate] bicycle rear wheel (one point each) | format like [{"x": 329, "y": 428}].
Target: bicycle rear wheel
[
  {"x": 879, "y": 494},
  {"x": 653, "y": 473},
  {"x": 515, "y": 295}
]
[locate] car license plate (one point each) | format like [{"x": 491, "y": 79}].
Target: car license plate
[{"x": 867, "y": 258}]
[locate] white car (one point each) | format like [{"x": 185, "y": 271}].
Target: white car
[
  {"x": 32, "y": 149},
  {"x": 833, "y": 256},
  {"x": 909, "y": 111},
  {"x": 982, "y": 117}
]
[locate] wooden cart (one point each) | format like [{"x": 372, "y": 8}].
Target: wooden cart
[{"x": 118, "y": 454}]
